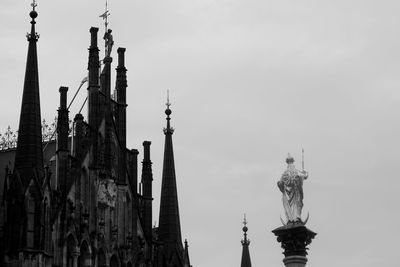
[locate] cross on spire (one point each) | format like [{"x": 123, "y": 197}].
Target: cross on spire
[
  {"x": 34, "y": 4},
  {"x": 168, "y": 104},
  {"x": 168, "y": 112},
  {"x": 245, "y": 229},
  {"x": 105, "y": 17},
  {"x": 246, "y": 262}
]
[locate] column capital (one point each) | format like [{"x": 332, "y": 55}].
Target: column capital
[
  {"x": 295, "y": 261},
  {"x": 294, "y": 239}
]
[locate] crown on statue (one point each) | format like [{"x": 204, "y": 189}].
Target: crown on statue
[{"x": 289, "y": 159}]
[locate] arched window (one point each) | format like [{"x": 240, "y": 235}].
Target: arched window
[
  {"x": 84, "y": 257},
  {"x": 30, "y": 224}
]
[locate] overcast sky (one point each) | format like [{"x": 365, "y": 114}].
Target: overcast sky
[{"x": 249, "y": 82}]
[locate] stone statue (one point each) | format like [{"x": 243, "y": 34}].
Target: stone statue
[
  {"x": 107, "y": 192},
  {"x": 291, "y": 186},
  {"x": 109, "y": 42}
]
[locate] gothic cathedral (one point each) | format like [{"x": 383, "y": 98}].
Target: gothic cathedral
[{"x": 74, "y": 200}]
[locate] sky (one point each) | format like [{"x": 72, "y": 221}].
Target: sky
[{"x": 249, "y": 81}]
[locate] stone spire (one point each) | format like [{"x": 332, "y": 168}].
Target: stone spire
[
  {"x": 246, "y": 262},
  {"x": 93, "y": 95},
  {"x": 147, "y": 179},
  {"x": 169, "y": 223},
  {"x": 120, "y": 114},
  {"x": 29, "y": 154},
  {"x": 62, "y": 151}
]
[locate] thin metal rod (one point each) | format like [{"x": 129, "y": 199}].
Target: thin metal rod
[
  {"x": 77, "y": 91},
  {"x": 84, "y": 102}
]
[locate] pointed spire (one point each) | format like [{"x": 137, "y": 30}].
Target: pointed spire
[
  {"x": 246, "y": 262},
  {"x": 169, "y": 223},
  {"x": 29, "y": 155}
]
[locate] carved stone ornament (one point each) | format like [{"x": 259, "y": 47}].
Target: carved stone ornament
[
  {"x": 107, "y": 192},
  {"x": 294, "y": 238},
  {"x": 9, "y": 139}
]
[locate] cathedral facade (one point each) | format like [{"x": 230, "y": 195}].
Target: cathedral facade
[{"x": 77, "y": 200}]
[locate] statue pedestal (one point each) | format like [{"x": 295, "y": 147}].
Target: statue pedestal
[{"x": 294, "y": 238}]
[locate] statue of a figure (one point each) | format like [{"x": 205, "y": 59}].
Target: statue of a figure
[
  {"x": 109, "y": 42},
  {"x": 107, "y": 192},
  {"x": 291, "y": 186}
]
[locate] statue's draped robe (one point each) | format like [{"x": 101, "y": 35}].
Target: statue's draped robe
[{"x": 291, "y": 185}]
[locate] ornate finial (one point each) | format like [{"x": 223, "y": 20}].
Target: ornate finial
[
  {"x": 245, "y": 224},
  {"x": 33, "y": 36},
  {"x": 168, "y": 104},
  {"x": 34, "y": 4},
  {"x": 33, "y": 14},
  {"x": 245, "y": 240},
  {"x": 168, "y": 112}
]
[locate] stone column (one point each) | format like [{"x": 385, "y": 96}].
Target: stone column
[
  {"x": 75, "y": 256},
  {"x": 93, "y": 96},
  {"x": 294, "y": 239}
]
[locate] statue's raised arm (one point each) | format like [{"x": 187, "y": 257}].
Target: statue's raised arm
[{"x": 291, "y": 186}]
